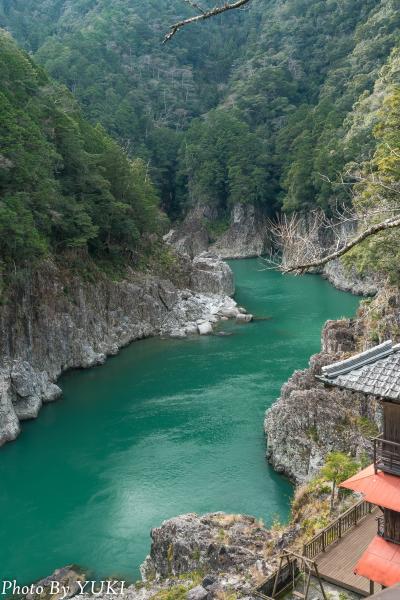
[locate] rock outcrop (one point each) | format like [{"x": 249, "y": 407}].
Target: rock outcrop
[
  {"x": 310, "y": 420},
  {"x": 56, "y": 321},
  {"x": 232, "y": 551},
  {"x": 213, "y": 543},
  {"x": 211, "y": 275},
  {"x": 246, "y": 236},
  {"x": 191, "y": 237},
  {"x": 350, "y": 281}
]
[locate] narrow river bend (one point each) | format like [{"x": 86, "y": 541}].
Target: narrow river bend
[{"x": 165, "y": 427}]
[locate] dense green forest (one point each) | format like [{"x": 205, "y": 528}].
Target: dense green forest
[
  {"x": 109, "y": 54},
  {"x": 64, "y": 184},
  {"x": 281, "y": 105},
  {"x": 282, "y": 76}
]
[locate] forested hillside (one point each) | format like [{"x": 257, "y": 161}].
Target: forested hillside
[
  {"x": 110, "y": 56},
  {"x": 269, "y": 105},
  {"x": 64, "y": 184}
]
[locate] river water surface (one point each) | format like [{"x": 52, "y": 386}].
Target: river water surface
[{"x": 165, "y": 427}]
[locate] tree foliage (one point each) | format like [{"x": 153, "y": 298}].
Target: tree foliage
[
  {"x": 225, "y": 163},
  {"x": 294, "y": 79},
  {"x": 337, "y": 468},
  {"x": 63, "y": 183},
  {"x": 379, "y": 189}
]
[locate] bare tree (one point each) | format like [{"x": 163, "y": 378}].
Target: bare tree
[
  {"x": 203, "y": 15},
  {"x": 309, "y": 241},
  {"x": 305, "y": 242}
]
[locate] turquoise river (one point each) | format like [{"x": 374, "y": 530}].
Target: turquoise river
[{"x": 166, "y": 427}]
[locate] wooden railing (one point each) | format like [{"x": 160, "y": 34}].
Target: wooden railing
[
  {"x": 386, "y": 456},
  {"x": 336, "y": 529}
]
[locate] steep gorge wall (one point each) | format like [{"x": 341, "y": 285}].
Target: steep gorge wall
[
  {"x": 248, "y": 234},
  {"x": 54, "y": 321},
  {"x": 245, "y": 235}
]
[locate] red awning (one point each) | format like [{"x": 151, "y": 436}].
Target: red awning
[
  {"x": 378, "y": 488},
  {"x": 380, "y": 562}
]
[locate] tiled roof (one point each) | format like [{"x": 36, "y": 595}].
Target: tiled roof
[{"x": 375, "y": 371}]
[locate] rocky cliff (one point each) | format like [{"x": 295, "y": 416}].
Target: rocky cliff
[
  {"x": 246, "y": 236},
  {"x": 243, "y": 235},
  {"x": 309, "y": 420},
  {"x": 54, "y": 321},
  {"x": 349, "y": 280},
  {"x": 234, "y": 546},
  {"x": 193, "y": 557}
]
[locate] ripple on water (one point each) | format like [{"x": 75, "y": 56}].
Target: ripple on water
[{"x": 166, "y": 427}]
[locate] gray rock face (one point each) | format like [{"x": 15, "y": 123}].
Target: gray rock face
[
  {"x": 247, "y": 235},
  {"x": 57, "y": 321},
  {"x": 191, "y": 237},
  {"x": 309, "y": 421},
  {"x": 211, "y": 275},
  {"x": 350, "y": 281},
  {"x": 30, "y": 388},
  {"x": 230, "y": 548},
  {"x": 9, "y": 422},
  {"x": 63, "y": 583},
  {"x": 197, "y": 593}
]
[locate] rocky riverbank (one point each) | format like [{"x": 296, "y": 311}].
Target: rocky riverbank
[
  {"x": 216, "y": 556},
  {"x": 309, "y": 420},
  {"x": 246, "y": 234},
  {"x": 55, "y": 320},
  {"x": 349, "y": 280}
]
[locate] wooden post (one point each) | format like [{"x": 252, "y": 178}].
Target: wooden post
[
  {"x": 306, "y": 589},
  {"x": 319, "y": 579},
  {"x": 277, "y": 576},
  {"x": 371, "y": 587},
  {"x": 340, "y": 527}
]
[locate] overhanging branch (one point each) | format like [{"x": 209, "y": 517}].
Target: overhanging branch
[
  {"x": 372, "y": 230},
  {"x": 203, "y": 15}
]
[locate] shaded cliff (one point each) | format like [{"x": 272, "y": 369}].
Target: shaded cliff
[{"x": 243, "y": 233}]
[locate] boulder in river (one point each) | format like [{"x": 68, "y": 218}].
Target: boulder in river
[
  {"x": 244, "y": 318},
  {"x": 205, "y": 328}
]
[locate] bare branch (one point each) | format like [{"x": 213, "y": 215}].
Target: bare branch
[
  {"x": 390, "y": 223},
  {"x": 217, "y": 10}
]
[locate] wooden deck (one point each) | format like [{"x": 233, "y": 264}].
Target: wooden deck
[{"x": 336, "y": 564}]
